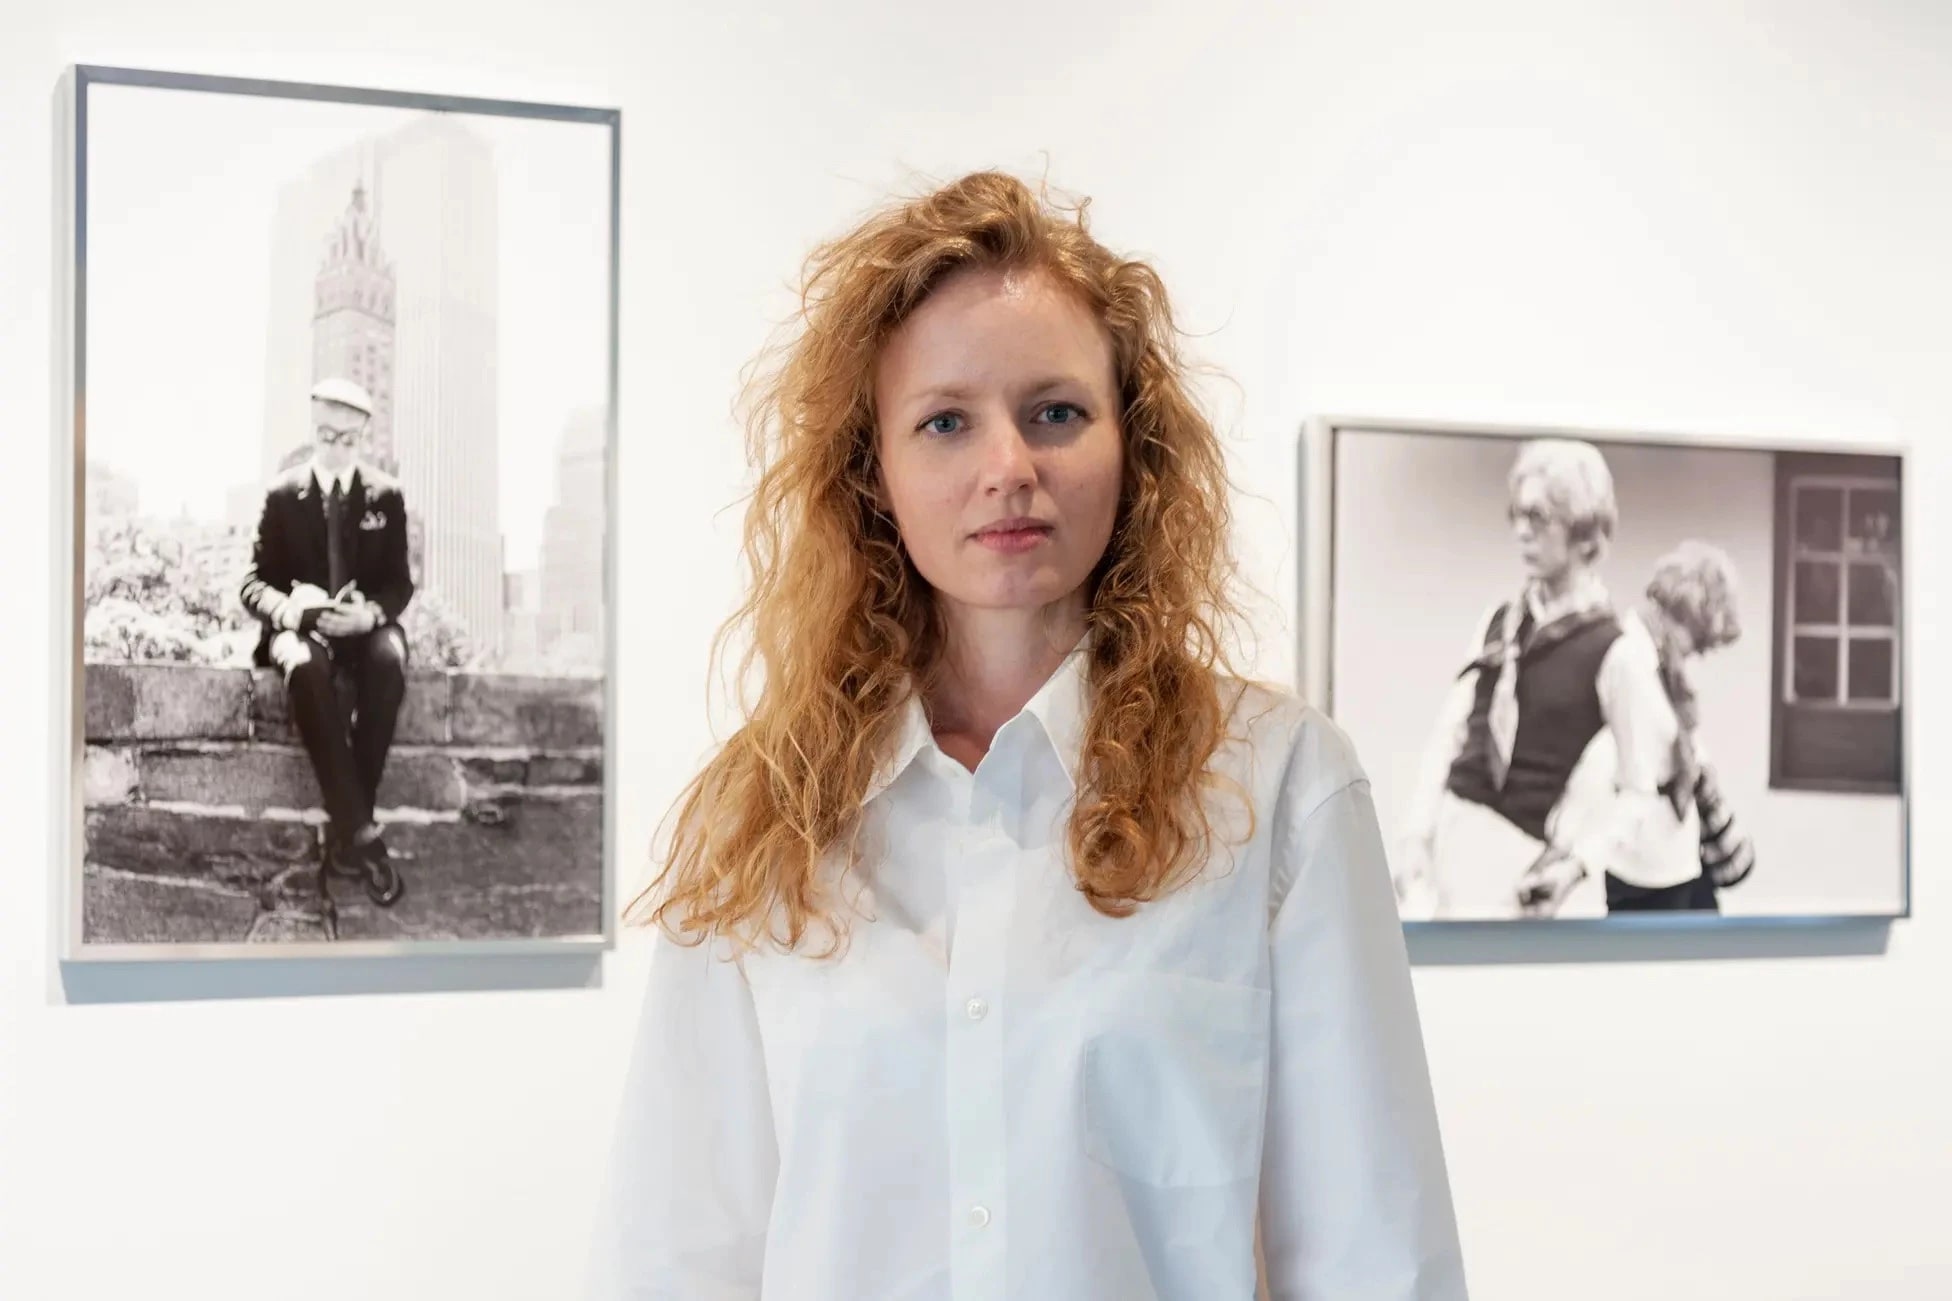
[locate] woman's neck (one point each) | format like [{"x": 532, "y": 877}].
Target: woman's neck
[{"x": 994, "y": 662}]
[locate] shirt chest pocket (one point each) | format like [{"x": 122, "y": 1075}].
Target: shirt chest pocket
[{"x": 1174, "y": 1081}]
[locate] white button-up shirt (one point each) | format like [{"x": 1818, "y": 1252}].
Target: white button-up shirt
[{"x": 998, "y": 1092}]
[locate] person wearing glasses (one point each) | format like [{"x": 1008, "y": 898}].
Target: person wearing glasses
[
  {"x": 1548, "y": 787},
  {"x": 328, "y": 582}
]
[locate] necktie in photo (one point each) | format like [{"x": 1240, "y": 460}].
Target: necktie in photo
[
  {"x": 335, "y": 539},
  {"x": 1503, "y": 716}
]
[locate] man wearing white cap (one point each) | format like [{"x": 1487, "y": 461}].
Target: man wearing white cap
[{"x": 328, "y": 581}]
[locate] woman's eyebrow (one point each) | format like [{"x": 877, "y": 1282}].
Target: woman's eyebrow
[{"x": 962, "y": 393}]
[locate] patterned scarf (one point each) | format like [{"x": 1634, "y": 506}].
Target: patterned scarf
[
  {"x": 1521, "y": 633},
  {"x": 1673, "y": 651}
]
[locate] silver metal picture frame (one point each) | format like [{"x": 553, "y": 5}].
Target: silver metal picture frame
[
  {"x": 1419, "y": 570},
  {"x": 264, "y": 288}
]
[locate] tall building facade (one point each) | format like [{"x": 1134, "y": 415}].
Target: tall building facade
[
  {"x": 352, "y": 320},
  {"x": 571, "y": 619},
  {"x": 414, "y": 208},
  {"x": 108, "y": 495},
  {"x": 521, "y": 646}
]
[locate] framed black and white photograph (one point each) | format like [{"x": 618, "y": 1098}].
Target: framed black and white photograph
[
  {"x": 1635, "y": 678},
  {"x": 338, "y": 415}
]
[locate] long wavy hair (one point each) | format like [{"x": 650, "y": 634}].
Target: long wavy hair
[{"x": 846, "y": 628}]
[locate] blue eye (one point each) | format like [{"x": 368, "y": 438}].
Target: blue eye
[
  {"x": 933, "y": 423},
  {"x": 1077, "y": 413}
]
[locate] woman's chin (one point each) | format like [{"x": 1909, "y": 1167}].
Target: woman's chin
[{"x": 1032, "y": 595}]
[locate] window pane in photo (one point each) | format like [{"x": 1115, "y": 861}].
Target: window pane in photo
[
  {"x": 1873, "y": 596},
  {"x": 1815, "y": 668},
  {"x": 1870, "y": 668},
  {"x": 1816, "y": 591},
  {"x": 1819, "y": 518},
  {"x": 1873, "y": 522}
]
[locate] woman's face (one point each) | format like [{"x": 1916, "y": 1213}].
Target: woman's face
[{"x": 997, "y": 428}]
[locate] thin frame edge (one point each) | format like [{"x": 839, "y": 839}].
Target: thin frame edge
[
  {"x": 67, "y": 508},
  {"x": 373, "y": 96}
]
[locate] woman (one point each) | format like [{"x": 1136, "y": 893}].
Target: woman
[
  {"x": 1011, "y": 948},
  {"x": 1690, "y": 611}
]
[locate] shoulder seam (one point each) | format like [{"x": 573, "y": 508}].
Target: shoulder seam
[
  {"x": 1275, "y": 905},
  {"x": 1352, "y": 784}
]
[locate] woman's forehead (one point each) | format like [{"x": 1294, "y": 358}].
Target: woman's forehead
[{"x": 1003, "y": 324}]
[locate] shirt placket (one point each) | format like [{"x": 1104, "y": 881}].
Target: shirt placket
[{"x": 975, "y": 1007}]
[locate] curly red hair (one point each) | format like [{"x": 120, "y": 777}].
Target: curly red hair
[{"x": 846, "y": 628}]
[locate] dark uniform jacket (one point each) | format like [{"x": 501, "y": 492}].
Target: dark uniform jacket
[
  {"x": 290, "y": 548},
  {"x": 1559, "y": 714}
]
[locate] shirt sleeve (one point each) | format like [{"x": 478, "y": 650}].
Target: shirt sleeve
[
  {"x": 1355, "y": 1198},
  {"x": 1704, "y": 756},
  {"x": 1446, "y": 742},
  {"x": 689, "y": 1190},
  {"x": 1644, "y": 728}
]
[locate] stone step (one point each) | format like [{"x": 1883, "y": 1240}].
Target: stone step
[
  {"x": 149, "y": 702},
  {"x": 253, "y": 777},
  {"x": 188, "y": 874}
]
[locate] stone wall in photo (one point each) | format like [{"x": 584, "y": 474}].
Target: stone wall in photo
[{"x": 203, "y": 824}]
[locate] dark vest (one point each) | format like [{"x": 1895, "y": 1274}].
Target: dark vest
[{"x": 1558, "y": 717}]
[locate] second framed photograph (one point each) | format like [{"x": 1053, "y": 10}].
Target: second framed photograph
[{"x": 1644, "y": 679}]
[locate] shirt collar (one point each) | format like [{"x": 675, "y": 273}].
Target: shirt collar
[
  {"x": 1588, "y": 593},
  {"x": 1058, "y": 706},
  {"x": 324, "y": 479}
]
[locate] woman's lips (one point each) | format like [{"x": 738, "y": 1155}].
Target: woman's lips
[{"x": 1012, "y": 541}]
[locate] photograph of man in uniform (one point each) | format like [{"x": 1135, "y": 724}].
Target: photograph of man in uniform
[
  {"x": 1548, "y": 784},
  {"x": 328, "y": 581}
]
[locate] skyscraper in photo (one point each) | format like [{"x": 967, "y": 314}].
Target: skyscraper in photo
[
  {"x": 521, "y": 650},
  {"x": 570, "y": 622},
  {"x": 352, "y": 320},
  {"x": 110, "y": 494},
  {"x": 417, "y": 204}
]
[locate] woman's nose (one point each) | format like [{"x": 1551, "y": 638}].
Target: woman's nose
[{"x": 1008, "y": 465}]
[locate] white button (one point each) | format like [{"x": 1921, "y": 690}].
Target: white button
[
  {"x": 976, "y": 1008},
  {"x": 979, "y": 1216}
]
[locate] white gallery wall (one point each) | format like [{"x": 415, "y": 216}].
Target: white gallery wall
[{"x": 1724, "y": 218}]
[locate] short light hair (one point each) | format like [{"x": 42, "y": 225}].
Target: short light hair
[
  {"x": 1578, "y": 485},
  {"x": 1695, "y": 585}
]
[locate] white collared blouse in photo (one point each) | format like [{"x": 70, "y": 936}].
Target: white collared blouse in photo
[{"x": 999, "y": 1093}]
